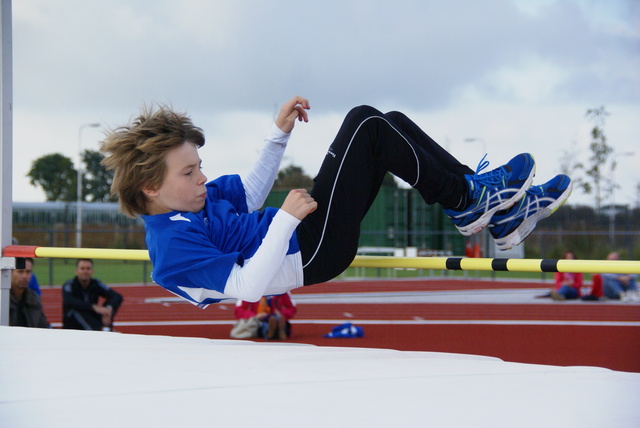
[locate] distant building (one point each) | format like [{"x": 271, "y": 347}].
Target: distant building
[
  {"x": 47, "y": 214},
  {"x": 54, "y": 224}
]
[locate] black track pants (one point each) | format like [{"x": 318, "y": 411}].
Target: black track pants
[{"x": 370, "y": 143}]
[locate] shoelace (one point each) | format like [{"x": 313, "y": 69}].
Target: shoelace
[{"x": 488, "y": 178}]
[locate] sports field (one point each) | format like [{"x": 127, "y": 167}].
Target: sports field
[{"x": 503, "y": 319}]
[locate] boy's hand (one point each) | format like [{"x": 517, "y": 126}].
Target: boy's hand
[
  {"x": 299, "y": 203},
  {"x": 290, "y": 111}
]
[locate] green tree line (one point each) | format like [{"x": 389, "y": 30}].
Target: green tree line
[
  {"x": 56, "y": 175},
  {"x": 596, "y": 175}
]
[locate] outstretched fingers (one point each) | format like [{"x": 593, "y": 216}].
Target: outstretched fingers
[{"x": 295, "y": 108}]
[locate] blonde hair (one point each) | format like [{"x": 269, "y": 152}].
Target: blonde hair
[{"x": 136, "y": 153}]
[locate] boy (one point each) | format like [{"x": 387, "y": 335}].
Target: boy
[{"x": 207, "y": 242}]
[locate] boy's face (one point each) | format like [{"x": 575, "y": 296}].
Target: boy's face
[{"x": 183, "y": 188}]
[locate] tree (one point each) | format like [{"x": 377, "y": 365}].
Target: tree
[
  {"x": 58, "y": 178},
  {"x": 96, "y": 180},
  {"x": 601, "y": 153},
  {"x": 571, "y": 166},
  {"x": 56, "y": 175},
  {"x": 293, "y": 177}
]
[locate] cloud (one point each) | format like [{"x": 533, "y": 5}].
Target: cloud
[
  {"x": 494, "y": 69},
  {"x": 227, "y": 55}
]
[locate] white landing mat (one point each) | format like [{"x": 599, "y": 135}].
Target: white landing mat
[{"x": 59, "y": 378}]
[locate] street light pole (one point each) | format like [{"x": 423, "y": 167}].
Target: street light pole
[{"x": 79, "y": 180}]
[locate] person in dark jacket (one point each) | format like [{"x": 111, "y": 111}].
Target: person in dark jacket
[
  {"x": 82, "y": 308},
  {"x": 25, "y": 308}
]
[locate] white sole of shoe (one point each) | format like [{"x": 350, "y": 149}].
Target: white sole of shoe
[
  {"x": 520, "y": 234},
  {"x": 484, "y": 219}
]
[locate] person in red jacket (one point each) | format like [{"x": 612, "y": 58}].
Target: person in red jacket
[
  {"x": 273, "y": 312},
  {"x": 568, "y": 285}
]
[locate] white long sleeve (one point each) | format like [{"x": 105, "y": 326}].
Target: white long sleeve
[
  {"x": 260, "y": 179},
  {"x": 264, "y": 272}
]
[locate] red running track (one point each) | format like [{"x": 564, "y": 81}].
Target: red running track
[{"x": 604, "y": 334}]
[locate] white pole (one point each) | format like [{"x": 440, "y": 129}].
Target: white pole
[
  {"x": 79, "y": 196},
  {"x": 6, "y": 155}
]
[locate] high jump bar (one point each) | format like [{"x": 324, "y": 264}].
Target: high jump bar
[{"x": 435, "y": 263}]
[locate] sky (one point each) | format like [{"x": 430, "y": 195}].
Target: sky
[{"x": 494, "y": 76}]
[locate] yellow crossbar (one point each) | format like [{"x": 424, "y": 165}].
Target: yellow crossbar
[{"x": 436, "y": 263}]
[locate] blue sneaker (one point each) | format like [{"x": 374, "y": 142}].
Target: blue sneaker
[
  {"x": 493, "y": 191},
  {"x": 510, "y": 227}
]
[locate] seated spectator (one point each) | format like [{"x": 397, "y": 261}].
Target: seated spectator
[
  {"x": 33, "y": 282},
  {"x": 595, "y": 292},
  {"x": 619, "y": 286},
  {"x": 25, "y": 307},
  {"x": 80, "y": 301},
  {"x": 272, "y": 314},
  {"x": 567, "y": 285},
  {"x": 249, "y": 319}
]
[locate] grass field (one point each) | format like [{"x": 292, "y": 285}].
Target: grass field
[{"x": 57, "y": 271}]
